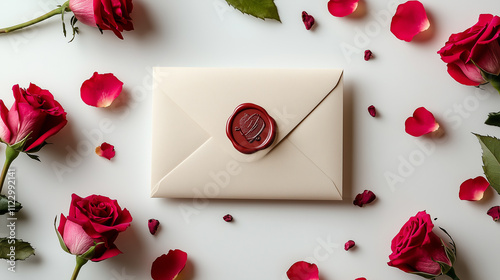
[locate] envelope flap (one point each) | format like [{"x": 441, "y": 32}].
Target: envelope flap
[{"x": 210, "y": 95}]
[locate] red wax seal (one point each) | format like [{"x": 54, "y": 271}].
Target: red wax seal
[{"x": 250, "y": 128}]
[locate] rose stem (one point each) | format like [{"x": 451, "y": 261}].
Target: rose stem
[
  {"x": 10, "y": 156},
  {"x": 57, "y": 11},
  {"x": 79, "y": 263}
]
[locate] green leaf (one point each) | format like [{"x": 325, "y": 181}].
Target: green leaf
[
  {"x": 491, "y": 159},
  {"x": 15, "y": 248},
  {"x": 493, "y": 119},
  {"x": 4, "y": 205},
  {"x": 258, "y": 8}
]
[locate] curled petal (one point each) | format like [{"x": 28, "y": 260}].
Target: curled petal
[
  {"x": 372, "y": 111},
  {"x": 106, "y": 151},
  {"x": 342, "y": 8},
  {"x": 308, "y": 20},
  {"x": 101, "y": 90},
  {"x": 364, "y": 198},
  {"x": 228, "y": 218},
  {"x": 153, "y": 225},
  {"x": 349, "y": 244},
  {"x": 303, "y": 271},
  {"x": 473, "y": 189},
  {"x": 409, "y": 20},
  {"x": 368, "y": 55},
  {"x": 422, "y": 122},
  {"x": 167, "y": 267},
  {"x": 494, "y": 212}
]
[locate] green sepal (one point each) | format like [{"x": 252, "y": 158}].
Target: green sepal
[
  {"x": 4, "y": 205},
  {"x": 90, "y": 252},
  {"x": 491, "y": 159},
  {"x": 425, "y": 275},
  {"x": 494, "y": 80},
  {"x": 444, "y": 267},
  {"x": 19, "y": 146},
  {"x": 35, "y": 157},
  {"x": 493, "y": 119},
  {"x": 61, "y": 241},
  {"x": 451, "y": 253},
  {"x": 22, "y": 249},
  {"x": 258, "y": 8}
]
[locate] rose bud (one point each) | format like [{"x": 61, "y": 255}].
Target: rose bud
[{"x": 153, "y": 225}]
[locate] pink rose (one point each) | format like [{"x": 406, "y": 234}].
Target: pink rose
[
  {"x": 417, "y": 249},
  {"x": 111, "y": 15},
  {"x": 92, "y": 220},
  {"x": 475, "y": 49},
  {"x": 35, "y": 114}
]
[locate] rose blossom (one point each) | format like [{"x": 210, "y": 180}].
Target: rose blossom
[
  {"x": 35, "y": 114},
  {"x": 475, "y": 49},
  {"x": 417, "y": 249},
  {"x": 104, "y": 14},
  {"x": 92, "y": 220}
]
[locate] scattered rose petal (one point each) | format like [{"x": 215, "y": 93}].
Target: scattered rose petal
[
  {"x": 364, "y": 198},
  {"x": 308, "y": 20},
  {"x": 342, "y": 8},
  {"x": 167, "y": 267},
  {"x": 361, "y": 278},
  {"x": 368, "y": 55},
  {"x": 153, "y": 225},
  {"x": 372, "y": 111},
  {"x": 228, "y": 218},
  {"x": 421, "y": 123},
  {"x": 494, "y": 212},
  {"x": 303, "y": 271},
  {"x": 106, "y": 151},
  {"x": 101, "y": 90},
  {"x": 349, "y": 244},
  {"x": 409, "y": 20},
  {"x": 473, "y": 189}
]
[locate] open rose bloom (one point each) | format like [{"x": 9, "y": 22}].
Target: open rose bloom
[
  {"x": 418, "y": 250},
  {"x": 473, "y": 56}
]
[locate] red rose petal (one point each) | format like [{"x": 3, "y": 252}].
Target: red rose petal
[
  {"x": 153, "y": 225},
  {"x": 409, "y": 20},
  {"x": 101, "y": 90},
  {"x": 342, "y": 8},
  {"x": 106, "y": 151},
  {"x": 473, "y": 189},
  {"x": 372, "y": 111},
  {"x": 368, "y": 55},
  {"x": 364, "y": 198},
  {"x": 349, "y": 244},
  {"x": 361, "y": 278},
  {"x": 494, "y": 212},
  {"x": 303, "y": 271},
  {"x": 308, "y": 20},
  {"x": 228, "y": 218},
  {"x": 421, "y": 123},
  {"x": 167, "y": 267}
]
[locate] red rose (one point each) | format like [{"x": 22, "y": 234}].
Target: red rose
[
  {"x": 475, "y": 49},
  {"x": 416, "y": 249},
  {"x": 111, "y": 15},
  {"x": 93, "y": 220},
  {"x": 34, "y": 113}
]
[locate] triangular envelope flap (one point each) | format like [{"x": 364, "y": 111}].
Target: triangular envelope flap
[{"x": 210, "y": 95}]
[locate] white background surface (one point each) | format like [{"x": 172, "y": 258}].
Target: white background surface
[{"x": 267, "y": 236}]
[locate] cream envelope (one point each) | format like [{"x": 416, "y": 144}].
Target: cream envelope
[{"x": 192, "y": 156}]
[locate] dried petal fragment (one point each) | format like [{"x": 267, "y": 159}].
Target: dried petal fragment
[
  {"x": 364, "y": 198},
  {"x": 342, "y": 8},
  {"x": 101, "y": 90},
  {"x": 303, "y": 271},
  {"x": 409, "y": 20},
  {"x": 368, "y": 55},
  {"x": 422, "y": 122},
  {"x": 349, "y": 244},
  {"x": 106, "y": 151},
  {"x": 153, "y": 225},
  {"x": 473, "y": 189},
  {"x": 228, "y": 218},
  {"x": 494, "y": 212},
  {"x": 167, "y": 267},
  {"x": 372, "y": 111},
  {"x": 308, "y": 20}
]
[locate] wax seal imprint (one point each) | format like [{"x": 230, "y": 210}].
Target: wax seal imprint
[{"x": 250, "y": 128}]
